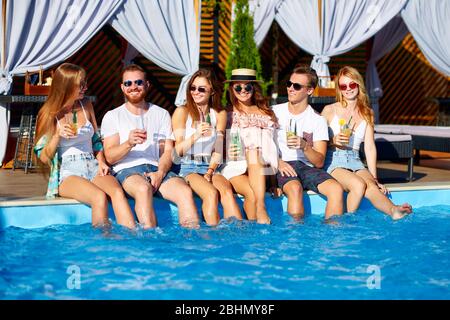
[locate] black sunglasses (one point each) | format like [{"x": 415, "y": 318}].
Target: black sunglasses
[
  {"x": 297, "y": 86},
  {"x": 200, "y": 89},
  {"x": 138, "y": 82},
  {"x": 248, "y": 88}
]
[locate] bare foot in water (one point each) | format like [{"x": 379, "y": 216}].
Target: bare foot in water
[
  {"x": 262, "y": 217},
  {"x": 399, "y": 212}
]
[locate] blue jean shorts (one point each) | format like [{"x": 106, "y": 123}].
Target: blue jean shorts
[
  {"x": 193, "y": 166},
  {"x": 346, "y": 159},
  {"x": 82, "y": 165},
  {"x": 123, "y": 174}
]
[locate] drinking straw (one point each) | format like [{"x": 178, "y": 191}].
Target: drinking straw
[{"x": 348, "y": 123}]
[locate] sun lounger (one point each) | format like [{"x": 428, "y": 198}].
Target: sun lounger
[
  {"x": 394, "y": 147},
  {"x": 430, "y": 138}
]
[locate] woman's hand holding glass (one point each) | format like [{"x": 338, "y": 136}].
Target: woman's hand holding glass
[
  {"x": 234, "y": 151},
  {"x": 203, "y": 129},
  {"x": 341, "y": 139},
  {"x": 65, "y": 130},
  {"x": 70, "y": 119},
  {"x": 235, "y": 147}
]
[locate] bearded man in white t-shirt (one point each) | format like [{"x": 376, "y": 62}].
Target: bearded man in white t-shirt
[
  {"x": 138, "y": 144},
  {"x": 302, "y": 140}
]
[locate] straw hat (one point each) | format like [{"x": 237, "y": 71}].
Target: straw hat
[{"x": 243, "y": 75}]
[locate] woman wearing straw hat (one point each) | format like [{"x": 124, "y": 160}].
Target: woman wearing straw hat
[
  {"x": 199, "y": 127},
  {"x": 252, "y": 151}
]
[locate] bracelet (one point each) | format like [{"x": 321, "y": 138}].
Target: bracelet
[{"x": 210, "y": 169}]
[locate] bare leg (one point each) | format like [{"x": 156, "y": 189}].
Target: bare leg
[
  {"x": 380, "y": 201},
  {"x": 335, "y": 197},
  {"x": 177, "y": 191},
  {"x": 113, "y": 189},
  {"x": 142, "y": 192},
  {"x": 242, "y": 186},
  {"x": 354, "y": 185},
  {"x": 230, "y": 207},
  {"x": 209, "y": 196},
  {"x": 84, "y": 191},
  {"x": 257, "y": 181},
  {"x": 294, "y": 192}
]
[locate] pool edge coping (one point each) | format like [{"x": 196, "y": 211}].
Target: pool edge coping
[{"x": 42, "y": 201}]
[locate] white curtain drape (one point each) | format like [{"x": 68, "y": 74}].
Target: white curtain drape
[
  {"x": 429, "y": 23},
  {"x": 130, "y": 54},
  {"x": 384, "y": 41},
  {"x": 344, "y": 25},
  {"x": 166, "y": 32},
  {"x": 263, "y": 15},
  {"x": 46, "y": 32},
  {"x": 300, "y": 22}
]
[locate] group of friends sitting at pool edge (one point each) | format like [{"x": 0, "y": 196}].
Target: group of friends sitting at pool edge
[{"x": 220, "y": 150}]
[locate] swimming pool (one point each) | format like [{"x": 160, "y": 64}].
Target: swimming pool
[{"x": 363, "y": 256}]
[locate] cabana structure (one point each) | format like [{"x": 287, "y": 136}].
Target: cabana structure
[
  {"x": 168, "y": 33},
  {"x": 424, "y": 137}
]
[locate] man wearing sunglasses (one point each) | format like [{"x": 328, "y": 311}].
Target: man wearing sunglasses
[
  {"x": 302, "y": 140},
  {"x": 138, "y": 144}
]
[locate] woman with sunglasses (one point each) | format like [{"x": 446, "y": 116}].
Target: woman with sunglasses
[
  {"x": 67, "y": 141},
  {"x": 199, "y": 128},
  {"x": 252, "y": 151},
  {"x": 351, "y": 122}
]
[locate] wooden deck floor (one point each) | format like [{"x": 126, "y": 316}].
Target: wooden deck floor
[{"x": 434, "y": 168}]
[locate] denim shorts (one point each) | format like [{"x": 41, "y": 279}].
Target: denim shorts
[
  {"x": 346, "y": 159},
  {"x": 192, "y": 166},
  {"x": 309, "y": 177},
  {"x": 123, "y": 174},
  {"x": 82, "y": 165}
]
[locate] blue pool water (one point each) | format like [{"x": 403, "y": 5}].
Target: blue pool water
[{"x": 236, "y": 260}]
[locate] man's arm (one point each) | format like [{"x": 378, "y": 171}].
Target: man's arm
[
  {"x": 165, "y": 161},
  {"x": 316, "y": 153},
  {"x": 114, "y": 150}
]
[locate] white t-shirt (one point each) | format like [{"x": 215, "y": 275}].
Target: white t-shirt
[
  {"x": 156, "y": 121},
  {"x": 308, "y": 122}
]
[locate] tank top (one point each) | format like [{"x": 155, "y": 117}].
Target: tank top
[
  {"x": 204, "y": 145},
  {"x": 358, "y": 135},
  {"x": 82, "y": 143}
]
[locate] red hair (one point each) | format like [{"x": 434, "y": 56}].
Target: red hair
[{"x": 362, "y": 103}]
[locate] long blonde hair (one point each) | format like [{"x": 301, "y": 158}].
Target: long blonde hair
[
  {"x": 66, "y": 81},
  {"x": 362, "y": 100}
]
